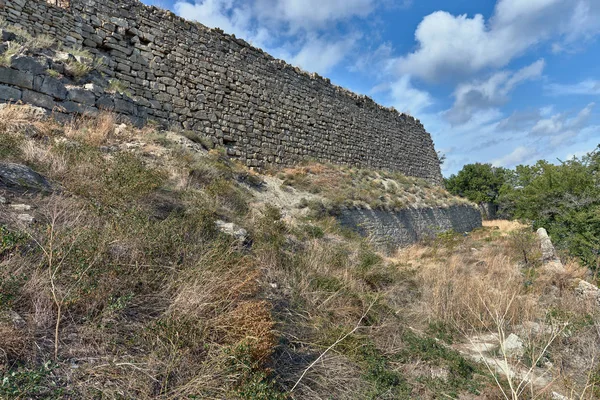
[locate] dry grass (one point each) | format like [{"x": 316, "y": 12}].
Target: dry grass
[
  {"x": 504, "y": 226},
  {"x": 350, "y": 186},
  {"x": 19, "y": 119},
  {"x": 94, "y": 131},
  {"x": 155, "y": 303},
  {"x": 463, "y": 287}
]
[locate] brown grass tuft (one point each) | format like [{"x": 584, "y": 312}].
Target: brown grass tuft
[{"x": 94, "y": 131}]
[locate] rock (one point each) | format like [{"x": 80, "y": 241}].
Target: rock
[
  {"x": 6, "y": 36},
  {"x": 587, "y": 291},
  {"x": 513, "y": 345},
  {"x": 53, "y": 87},
  {"x": 16, "y": 78},
  {"x": 83, "y": 96},
  {"x": 558, "y": 396},
  {"x": 3, "y": 200},
  {"x": 231, "y": 229},
  {"x": 20, "y": 207},
  {"x": 20, "y": 177},
  {"x": 72, "y": 107},
  {"x": 10, "y": 93},
  {"x": 28, "y": 64},
  {"x": 121, "y": 129},
  {"x": 28, "y": 219},
  {"x": 17, "y": 320},
  {"x": 38, "y": 99},
  {"x": 64, "y": 57},
  {"x": 549, "y": 258}
]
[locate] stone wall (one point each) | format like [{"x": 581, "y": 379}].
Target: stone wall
[
  {"x": 179, "y": 72},
  {"x": 391, "y": 230}
]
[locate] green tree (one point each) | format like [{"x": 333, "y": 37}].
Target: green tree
[
  {"x": 563, "y": 198},
  {"x": 480, "y": 183}
]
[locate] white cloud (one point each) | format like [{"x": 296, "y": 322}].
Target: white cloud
[
  {"x": 493, "y": 92},
  {"x": 320, "y": 55},
  {"x": 560, "y": 125},
  {"x": 520, "y": 155},
  {"x": 408, "y": 99},
  {"x": 450, "y": 46},
  {"x": 308, "y": 14},
  {"x": 289, "y": 29},
  {"x": 374, "y": 61},
  {"x": 227, "y": 15},
  {"x": 520, "y": 121},
  {"x": 590, "y": 87}
]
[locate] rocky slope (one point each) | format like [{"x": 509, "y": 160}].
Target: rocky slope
[{"x": 142, "y": 263}]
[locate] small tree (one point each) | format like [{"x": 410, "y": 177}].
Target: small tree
[{"x": 480, "y": 183}]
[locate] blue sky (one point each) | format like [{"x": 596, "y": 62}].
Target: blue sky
[{"x": 501, "y": 81}]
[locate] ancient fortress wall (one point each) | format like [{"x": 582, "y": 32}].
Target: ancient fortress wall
[{"x": 262, "y": 109}]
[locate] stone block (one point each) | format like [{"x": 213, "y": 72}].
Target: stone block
[
  {"x": 38, "y": 99},
  {"x": 123, "y": 106},
  {"x": 71, "y": 107},
  {"x": 16, "y": 78},
  {"x": 83, "y": 96},
  {"x": 6, "y": 36},
  {"x": 28, "y": 64},
  {"x": 53, "y": 87},
  {"x": 106, "y": 103},
  {"x": 8, "y": 93}
]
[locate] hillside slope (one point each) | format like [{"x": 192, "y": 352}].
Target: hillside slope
[{"x": 139, "y": 263}]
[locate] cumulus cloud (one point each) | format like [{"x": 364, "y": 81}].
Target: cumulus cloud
[
  {"x": 493, "y": 92},
  {"x": 450, "y": 46},
  {"x": 296, "y": 30},
  {"x": 320, "y": 55},
  {"x": 228, "y": 15},
  {"x": 408, "y": 99},
  {"x": 562, "y": 125}
]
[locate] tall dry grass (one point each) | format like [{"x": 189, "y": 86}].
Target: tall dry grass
[
  {"x": 504, "y": 226},
  {"x": 94, "y": 131}
]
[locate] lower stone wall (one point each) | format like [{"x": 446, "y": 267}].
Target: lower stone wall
[{"x": 390, "y": 230}]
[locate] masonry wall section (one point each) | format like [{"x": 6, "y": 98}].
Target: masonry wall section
[
  {"x": 262, "y": 109},
  {"x": 390, "y": 230}
]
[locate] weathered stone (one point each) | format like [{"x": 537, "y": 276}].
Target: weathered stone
[
  {"x": 8, "y": 93},
  {"x": 587, "y": 291},
  {"x": 106, "y": 103},
  {"x": 20, "y": 207},
  {"x": 26, "y": 218},
  {"x": 71, "y": 107},
  {"x": 28, "y": 64},
  {"x": 38, "y": 99},
  {"x": 20, "y": 177},
  {"x": 550, "y": 260},
  {"x": 123, "y": 106},
  {"x": 79, "y": 95},
  {"x": 53, "y": 87},
  {"x": 6, "y": 36},
  {"x": 16, "y": 78},
  {"x": 233, "y": 230},
  {"x": 513, "y": 345}
]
